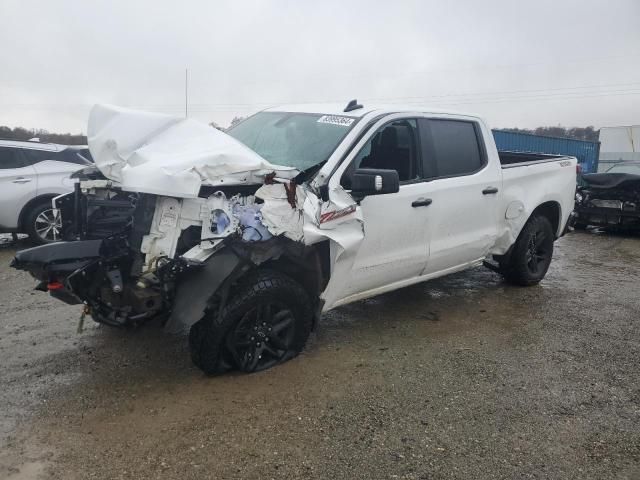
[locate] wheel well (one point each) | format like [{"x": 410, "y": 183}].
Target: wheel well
[
  {"x": 32, "y": 203},
  {"x": 311, "y": 270},
  {"x": 550, "y": 210}
]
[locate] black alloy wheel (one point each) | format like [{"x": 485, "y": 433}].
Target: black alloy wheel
[
  {"x": 262, "y": 337},
  {"x": 538, "y": 252},
  {"x": 529, "y": 260}
]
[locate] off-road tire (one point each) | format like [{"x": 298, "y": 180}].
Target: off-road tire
[
  {"x": 30, "y": 223},
  {"x": 537, "y": 235},
  {"x": 211, "y": 338}
]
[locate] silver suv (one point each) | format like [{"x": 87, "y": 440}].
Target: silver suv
[{"x": 31, "y": 174}]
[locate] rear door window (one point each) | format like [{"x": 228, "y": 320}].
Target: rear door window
[
  {"x": 10, "y": 158},
  {"x": 72, "y": 155},
  {"x": 36, "y": 156},
  {"x": 68, "y": 155},
  {"x": 451, "y": 148},
  {"x": 85, "y": 154}
]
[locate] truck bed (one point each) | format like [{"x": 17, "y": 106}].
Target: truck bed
[{"x": 514, "y": 159}]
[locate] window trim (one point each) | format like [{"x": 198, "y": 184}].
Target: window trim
[
  {"x": 27, "y": 158},
  {"x": 482, "y": 150}
]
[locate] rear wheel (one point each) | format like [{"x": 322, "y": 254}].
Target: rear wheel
[
  {"x": 43, "y": 224},
  {"x": 266, "y": 323},
  {"x": 532, "y": 252}
]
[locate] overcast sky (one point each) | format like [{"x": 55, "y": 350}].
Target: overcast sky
[{"x": 518, "y": 63}]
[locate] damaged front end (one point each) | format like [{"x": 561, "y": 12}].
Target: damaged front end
[
  {"x": 608, "y": 200},
  {"x": 174, "y": 220},
  {"x": 132, "y": 256},
  {"x": 100, "y": 263}
]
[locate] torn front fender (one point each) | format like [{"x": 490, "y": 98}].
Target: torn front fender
[
  {"x": 195, "y": 290},
  {"x": 340, "y": 221}
]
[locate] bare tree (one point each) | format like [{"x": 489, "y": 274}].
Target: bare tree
[
  {"x": 24, "y": 134},
  {"x": 578, "y": 133}
]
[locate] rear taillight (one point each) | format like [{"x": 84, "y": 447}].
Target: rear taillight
[
  {"x": 578, "y": 168},
  {"x": 55, "y": 286}
]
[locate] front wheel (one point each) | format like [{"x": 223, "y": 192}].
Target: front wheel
[
  {"x": 529, "y": 261},
  {"x": 266, "y": 323}
]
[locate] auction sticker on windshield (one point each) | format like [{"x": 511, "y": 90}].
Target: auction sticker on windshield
[{"x": 336, "y": 120}]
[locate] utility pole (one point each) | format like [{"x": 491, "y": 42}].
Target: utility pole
[{"x": 186, "y": 90}]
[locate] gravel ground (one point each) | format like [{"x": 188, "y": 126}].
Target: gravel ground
[{"x": 463, "y": 377}]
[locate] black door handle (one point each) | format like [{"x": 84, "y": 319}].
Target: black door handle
[
  {"x": 489, "y": 190},
  {"x": 421, "y": 202}
]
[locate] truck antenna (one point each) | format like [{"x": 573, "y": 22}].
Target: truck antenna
[{"x": 352, "y": 105}]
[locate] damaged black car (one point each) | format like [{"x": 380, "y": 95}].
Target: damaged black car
[{"x": 610, "y": 200}]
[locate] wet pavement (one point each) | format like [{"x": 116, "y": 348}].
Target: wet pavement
[{"x": 463, "y": 377}]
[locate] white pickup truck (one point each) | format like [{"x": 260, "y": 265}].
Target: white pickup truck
[{"x": 244, "y": 238}]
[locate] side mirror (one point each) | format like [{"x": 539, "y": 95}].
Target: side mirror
[{"x": 374, "y": 181}]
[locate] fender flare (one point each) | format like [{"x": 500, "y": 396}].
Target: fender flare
[{"x": 194, "y": 292}]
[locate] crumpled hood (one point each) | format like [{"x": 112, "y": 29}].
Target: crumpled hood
[
  {"x": 168, "y": 155},
  {"x": 605, "y": 181}
]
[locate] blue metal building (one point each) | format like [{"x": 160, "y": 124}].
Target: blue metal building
[{"x": 586, "y": 152}]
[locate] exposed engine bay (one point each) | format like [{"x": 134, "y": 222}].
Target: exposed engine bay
[
  {"x": 130, "y": 249},
  {"x": 608, "y": 200}
]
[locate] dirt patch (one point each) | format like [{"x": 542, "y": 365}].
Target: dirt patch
[{"x": 463, "y": 377}]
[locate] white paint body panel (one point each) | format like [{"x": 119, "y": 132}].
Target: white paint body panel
[
  {"x": 54, "y": 177},
  {"x": 395, "y": 245},
  {"x": 463, "y": 223},
  {"x": 18, "y": 186},
  {"x": 461, "y": 227}
]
